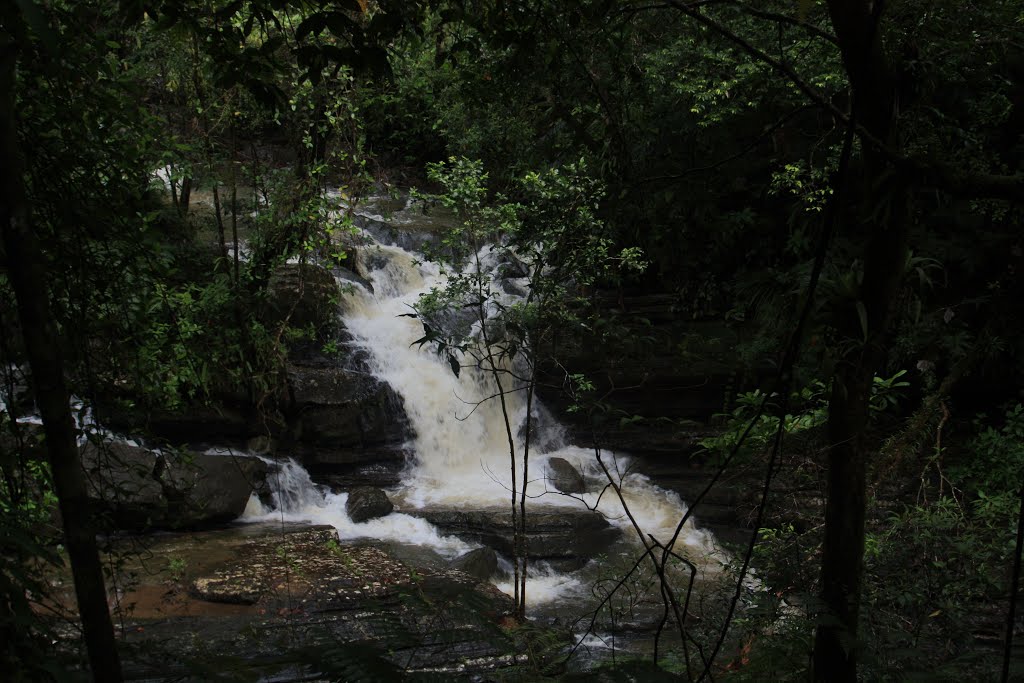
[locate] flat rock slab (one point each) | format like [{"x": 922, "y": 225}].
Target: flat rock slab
[
  {"x": 568, "y": 537},
  {"x": 281, "y": 602},
  {"x": 308, "y": 567}
]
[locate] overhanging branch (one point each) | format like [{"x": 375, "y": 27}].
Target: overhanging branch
[{"x": 927, "y": 173}]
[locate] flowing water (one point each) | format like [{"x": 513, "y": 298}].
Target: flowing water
[{"x": 460, "y": 440}]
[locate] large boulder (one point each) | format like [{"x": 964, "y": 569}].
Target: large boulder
[
  {"x": 139, "y": 488},
  {"x": 565, "y": 537},
  {"x": 481, "y": 563},
  {"x": 366, "y": 503},
  {"x": 304, "y": 294},
  {"x": 341, "y": 420},
  {"x": 338, "y": 408},
  {"x": 122, "y": 481},
  {"x": 564, "y": 476},
  {"x": 350, "y": 278},
  {"x": 206, "y": 489}
]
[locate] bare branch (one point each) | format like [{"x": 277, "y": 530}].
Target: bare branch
[{"x": 786, "y": 19}]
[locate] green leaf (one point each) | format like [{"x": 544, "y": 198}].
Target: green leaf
[
  {"x": 340, "y": 25},
  {"x": 313, "y": 24}
]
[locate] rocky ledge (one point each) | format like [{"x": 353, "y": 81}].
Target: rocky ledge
[
  {"x": 564, "y": 537},
  {"x": 292, "y": 602}
]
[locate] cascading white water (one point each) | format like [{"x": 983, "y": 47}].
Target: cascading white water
[
  {"x": 296, "y": 498},
  {"x": 461, "y": 443}
]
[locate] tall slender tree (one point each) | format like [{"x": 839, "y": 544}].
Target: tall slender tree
[
  {"x": 882, "y": 221},
  {"x": 26, "y": 269}
]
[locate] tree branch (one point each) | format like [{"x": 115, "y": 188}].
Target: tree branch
[
  {"x": 786, "y": 19},
  {"x": 940, "y": 175}
]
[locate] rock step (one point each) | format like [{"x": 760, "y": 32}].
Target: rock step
[
  {"x": 287, "y": 600},
  {"x": 566, "y": 537}
]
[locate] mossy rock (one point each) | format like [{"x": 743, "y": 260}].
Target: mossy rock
[{"x": 303, "y": 295}]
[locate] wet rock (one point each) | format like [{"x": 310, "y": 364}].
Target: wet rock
[
  {"x": 231, "y": 589},
  {"x": 411, "y": 229},
  {"x": 564, "y": 476},
  {"x": 302, "y": 294},
  {"x": 122, "y": 481},
  {"x": 344, "y": 423},
  {"x": 366, "y": 503},
  {"x": 305, "y": 564},
  {"x": 338, "y": 417},
  {"x": 373, "y": 259},
  {"x": 335, "y": 407},
  {"x": 290, "y": 584},
  {"x": 262, "y": 445},
  {"x": 345, "y": 469},
  {"x": 324, "y": 384},
  {"x": 347, "y": 276},
  {"x": 209, "y": 489},
  {"x": 139, "y": 488},
  {"x": 481, "y": 563},
  {"x": 567, "y": 538}
]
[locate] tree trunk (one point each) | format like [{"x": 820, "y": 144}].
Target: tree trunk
[
  {"x": 186, "y": 195},
  {"x": 835, "y": 655},
  {"x": 883, "y": 217},
  {"x": 27, "y": 274}
]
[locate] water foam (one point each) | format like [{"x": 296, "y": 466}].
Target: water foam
[{"x": 295, "y": 498}]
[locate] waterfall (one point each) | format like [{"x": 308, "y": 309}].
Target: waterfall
[{"x": 460, "y": 440}]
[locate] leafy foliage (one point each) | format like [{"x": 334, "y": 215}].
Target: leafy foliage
[{"x": 549, "y": 241}]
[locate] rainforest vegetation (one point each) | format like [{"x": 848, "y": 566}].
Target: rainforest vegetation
[{"x": 813, "y": 207}]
